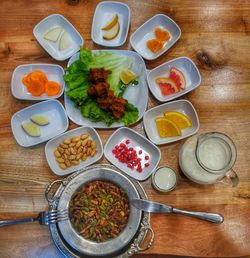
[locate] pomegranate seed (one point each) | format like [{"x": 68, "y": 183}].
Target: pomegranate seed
[
  {"x": 140, "y": 152},
  {"x": 139, "y": 170},
  {"x": 127, "y": 141},
  {"x": 147, "y": 164},
  {"x": 146, "y": 157}
]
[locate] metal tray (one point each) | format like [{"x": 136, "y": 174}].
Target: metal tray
[{"x": 135, "y": 245}]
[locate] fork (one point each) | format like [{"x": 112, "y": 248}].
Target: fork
[{"x": 44, "y": 218}]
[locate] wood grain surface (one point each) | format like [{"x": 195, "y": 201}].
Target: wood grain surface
[{"x": 216, "y": 36}]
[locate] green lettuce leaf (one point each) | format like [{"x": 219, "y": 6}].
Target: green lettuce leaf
[
  {"x": 131, "y": 115},
  {"x": 92, "y": 111}
]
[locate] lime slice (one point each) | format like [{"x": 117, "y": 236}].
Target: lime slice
[{"x": 127, "y": 76}]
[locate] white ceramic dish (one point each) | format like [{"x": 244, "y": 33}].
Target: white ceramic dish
[
  {"x": 52, "y": 48},
  {"x": 103, "y": 13},
  {"x": 140, "y": 37},
  {"x": 53, "y": 72},
  {"x": 137, "y": 95},
  {"x": 52, "y": 109},
  {"x": 182, "y": 106},
  {"x": 53, "y": 143},
  {"x": 186, "y": 66},
  {"x": 138, "y": 142}
]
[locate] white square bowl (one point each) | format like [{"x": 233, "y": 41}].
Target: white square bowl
[
  {"x": 53, "y": 72},
  {"x": 186, "y": 66},
  {"x": 103, "y": 13},
  {"x": 138, "y": 142},
  {"x": 53, "y": 144},
  {"x": 52, "y": 109},
  {"x": 55, "y": 20},
  {"x": 140, "y": 37},
  {"x": 182, "y": 106}
]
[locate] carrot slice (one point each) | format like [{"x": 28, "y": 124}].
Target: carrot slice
[
  {"x": 38, "y": 75},
  {"x": 154, "y": 45},
  {"x": 162, "y": 35},
  {"x": 36, "y": 87},
  {"x": 52, "y": 88}
]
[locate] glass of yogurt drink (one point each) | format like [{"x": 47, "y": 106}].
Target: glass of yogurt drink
[{"x": 209, "y": 158}]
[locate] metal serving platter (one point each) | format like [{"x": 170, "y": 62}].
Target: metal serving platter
[{"x": 126, "y": 247}]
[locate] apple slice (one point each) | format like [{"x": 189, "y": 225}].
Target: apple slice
[
  {"x": 112, "y": 33},
  {"x": 53, "y": 34},
  {"x": 178, "y": 77},
  {"x": 65, "y": 41},
  {"x": 167, "y": 85},
  {"x": 111, "y": 23},
  {"x": 31, "y": 129}
]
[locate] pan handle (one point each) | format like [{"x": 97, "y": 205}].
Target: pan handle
[
  {"x": 50, "y": 197},
  {"x": 136, "y": 246}
]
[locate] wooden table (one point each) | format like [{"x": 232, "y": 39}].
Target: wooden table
[{"x": 216, "y": 35}]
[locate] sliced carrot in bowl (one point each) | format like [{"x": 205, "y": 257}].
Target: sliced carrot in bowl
[
  {"x": 52, "y": 88},
  {"x": 36, "y": 87}
]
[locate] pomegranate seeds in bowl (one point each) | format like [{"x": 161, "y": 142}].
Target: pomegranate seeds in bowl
[
  {"x": 132, "y": 153},
  {"x": 130, "y": 156}
]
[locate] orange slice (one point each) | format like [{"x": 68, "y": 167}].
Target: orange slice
[
  {"x": 166, "y": 128},
  {"x": 181, "y": 120}
]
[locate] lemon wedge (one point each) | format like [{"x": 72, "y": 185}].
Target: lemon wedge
[
  {"x": 111, "y": 23},
  {"x": 181, "y": 120},
  {"x": 166, "y": 128},
  {"x": 127, "y": 76}
]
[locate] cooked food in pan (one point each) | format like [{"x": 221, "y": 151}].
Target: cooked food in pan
[{"x": 99, "y": 211}]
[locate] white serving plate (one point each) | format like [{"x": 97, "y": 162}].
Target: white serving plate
[
  {"x": 182, "y": 106},
  {"x": 53, "y": 144},
  {"x": 53, "y": 72},
  {"x": 137, "y": 95},
  {"x": 55, "y": 20},
  {"x": 139, "y": 38},
  {"x": 138, "y": 142},
  {"x": 103, "y": 13},
  {"x": 186, "y": 66},
  {"x": 52, "y": 109}
]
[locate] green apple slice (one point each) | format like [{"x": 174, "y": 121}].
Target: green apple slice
[
  {"x": 112, "y": 33},
  {"x": 53, "y": 34},
  {"x": 65, "y": 41},
  {"x": 40, "y": 119},
  {"x": 31, "y": 129}
]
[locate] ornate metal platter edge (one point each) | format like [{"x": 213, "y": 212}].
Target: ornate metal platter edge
[{"x": 134, "y": 247}]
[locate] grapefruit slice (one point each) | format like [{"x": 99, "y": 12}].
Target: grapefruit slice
[
  {"x": 167, "y": 86},
  {"x": 178, "y": 77}
]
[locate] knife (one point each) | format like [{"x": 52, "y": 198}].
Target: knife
[{"x": 155, "y": 207}]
